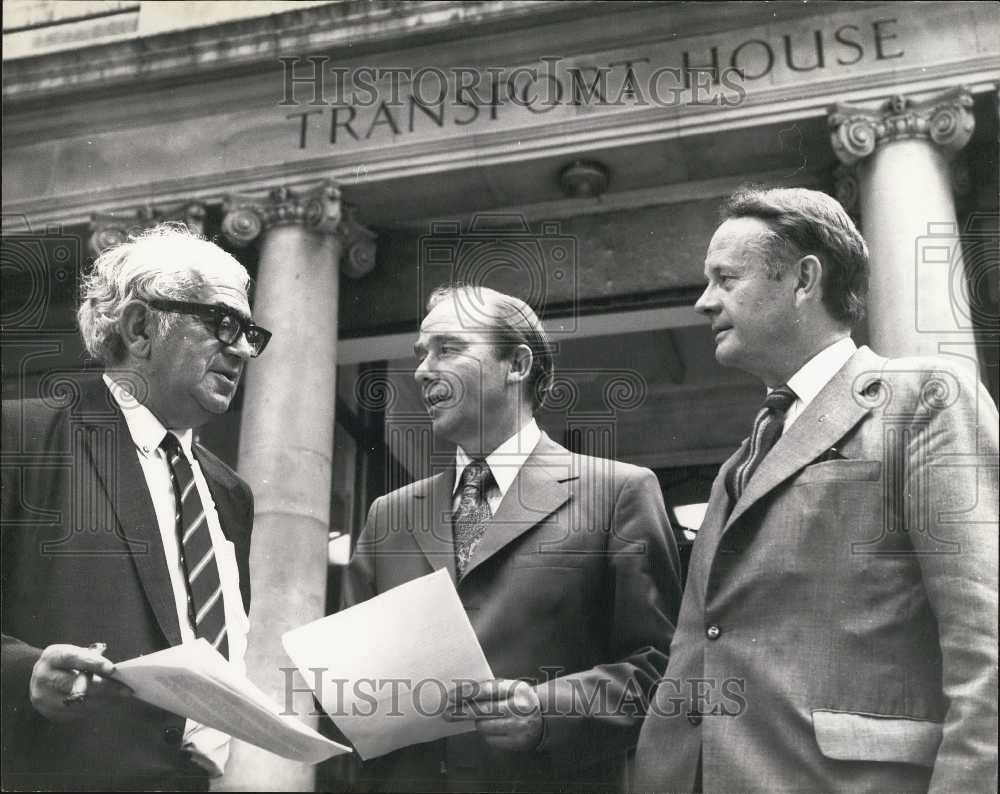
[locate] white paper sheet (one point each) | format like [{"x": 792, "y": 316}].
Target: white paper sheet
[
  {"x": 194, "y": 681},
  {"x": 382, "y": 669}
]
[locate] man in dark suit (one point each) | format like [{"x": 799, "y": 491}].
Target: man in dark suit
[
  {"x": 839, "y": 624},
  {"x": 119, "y": 528},
  {"x": 565, "y": 564}
]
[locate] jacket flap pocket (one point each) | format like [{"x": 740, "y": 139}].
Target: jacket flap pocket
[
  {"x": 846, "y": 736},
  {"x": 840, "y": 471}
]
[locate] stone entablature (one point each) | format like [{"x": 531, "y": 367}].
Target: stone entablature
[{"x": 243, "y": 130}]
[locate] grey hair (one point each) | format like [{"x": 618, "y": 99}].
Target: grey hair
[{"x": 168, "y": 262}]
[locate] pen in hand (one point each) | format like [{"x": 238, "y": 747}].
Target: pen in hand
[{"x": 78, "y": 694}]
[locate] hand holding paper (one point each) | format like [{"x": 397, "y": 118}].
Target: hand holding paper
[
  {"x": 194, "y": 681},
  {"x": 506, "y": 712},
  {"x": 383, "y": 670}
]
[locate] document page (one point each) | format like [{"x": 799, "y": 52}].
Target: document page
[
  {"x": 194, "y": 681},
  {"x": 383, "y": 669}
]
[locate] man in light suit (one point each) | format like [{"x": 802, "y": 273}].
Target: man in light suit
[
  {"x": 843, "y": 585},
  {"x": 92, "y": 549},
  {"x": 570, "y": 580}
]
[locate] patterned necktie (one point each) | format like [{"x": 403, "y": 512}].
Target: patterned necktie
[
  {"x": 206, "y": 608},
  {"x": 767, "y": 427},
  {"x": 473, "y": 512}
]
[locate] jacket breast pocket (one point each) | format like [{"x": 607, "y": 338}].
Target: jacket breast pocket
[
  {"x": 848, "y": 736},
  {"x": 840, "y": 471}
]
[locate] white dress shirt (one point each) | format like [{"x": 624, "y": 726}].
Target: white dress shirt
[
  {"x": 208, "y": 747},
  {"x": 815, "y": 374},
  {"x": 504, "y": 462}
]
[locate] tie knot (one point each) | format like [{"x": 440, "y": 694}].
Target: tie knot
[
  {"x": 475, "y": 474},
  {"x": 171, "y": 445},
  {"x": 780, "y": 400}
]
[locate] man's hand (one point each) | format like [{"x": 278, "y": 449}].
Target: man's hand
[
  {"x": 507, "y": 713},
  {"x": 52, "y": 681}
]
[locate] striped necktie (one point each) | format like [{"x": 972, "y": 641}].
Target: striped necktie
[
  {"x": 767, "y": 427},
  {"x": 473, "y": 512},
  {"x": 206, "y": 608}
]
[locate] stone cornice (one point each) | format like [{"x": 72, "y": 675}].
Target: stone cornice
[
  {"x": 231, "y": 45},
  {"x": 356, "y": 27}
]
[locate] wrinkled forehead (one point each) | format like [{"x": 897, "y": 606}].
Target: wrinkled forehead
[
  {"x": 216, "y": 292},
  {"x": 738, "y": 240}
]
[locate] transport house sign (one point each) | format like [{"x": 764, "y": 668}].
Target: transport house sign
[{"x": 331, "y": 105}]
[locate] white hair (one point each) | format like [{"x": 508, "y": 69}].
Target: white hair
[{"x": 167, "y": 262}]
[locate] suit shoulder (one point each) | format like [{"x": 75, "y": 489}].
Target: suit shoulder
[
  {"x": 407, "y": 492},
  {"x": 617, "y": 470},
  {"x": 935, "y": 381},
  {"x": 215, "y": 467},
  {"x": 30, "y": 423}
]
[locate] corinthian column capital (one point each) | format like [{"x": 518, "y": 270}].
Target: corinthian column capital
[
  {"x": 107, "y": 229},
  {"x": 945, "y": 120},
  {"x": 358, "y": 246},
  {"x": 320, "y": 210},
  {"x": 246, "y": 216}
]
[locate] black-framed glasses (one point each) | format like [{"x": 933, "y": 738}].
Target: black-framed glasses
[{"x": 226, "y": 322}]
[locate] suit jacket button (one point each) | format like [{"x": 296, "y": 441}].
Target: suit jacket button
[
  {"x": 713, "y": 632},
  {"x": 694, "y": 718},
  {"x": 172, "y": 736}
]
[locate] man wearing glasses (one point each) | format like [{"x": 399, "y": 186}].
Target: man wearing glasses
[{"x": 119, "y": 528}]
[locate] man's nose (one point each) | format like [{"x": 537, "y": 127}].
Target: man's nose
[
  {"x": 241, "y": 347},
  {"x": 422, "y": 373},
  {"x": 706, "y": 303}
]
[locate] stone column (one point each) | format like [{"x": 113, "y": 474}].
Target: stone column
[
  {"x": 898, "y": 155},
  {"x": 286, "y": 438}
]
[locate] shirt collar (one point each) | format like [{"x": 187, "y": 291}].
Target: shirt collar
[
  {"x": 507, "y": 459},
  {"x": 820, "y": 369},
  {"x": 146, "y": 430}
]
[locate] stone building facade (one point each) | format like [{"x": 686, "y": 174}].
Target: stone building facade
[{"x": 354, "y": 155}]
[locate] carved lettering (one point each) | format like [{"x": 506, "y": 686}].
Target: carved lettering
[{"x": 382, "y": 104}]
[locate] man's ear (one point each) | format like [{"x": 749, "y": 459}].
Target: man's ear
[
  {"x": 520, "y": 364},
  {"x": 135, "y": 327},
  {"x": 809, "y": 279}
]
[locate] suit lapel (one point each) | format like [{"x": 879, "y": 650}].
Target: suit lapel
[
  {"x": 719, "y": 503},
  {"x": 126, "y": 489},
  {"x": 431, "y": 524},
  {"x": 231, "y": 514},
  {"x": 226, "y": 505},
  {"x": 540, "y": 488},
  {"x": 836, "y": 409}
]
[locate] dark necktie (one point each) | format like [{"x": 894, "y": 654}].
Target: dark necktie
[
  {"x": 767, "y": 427},
  {"x": 473, "y": 512},
  {"x": 206, "y": 608}
]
